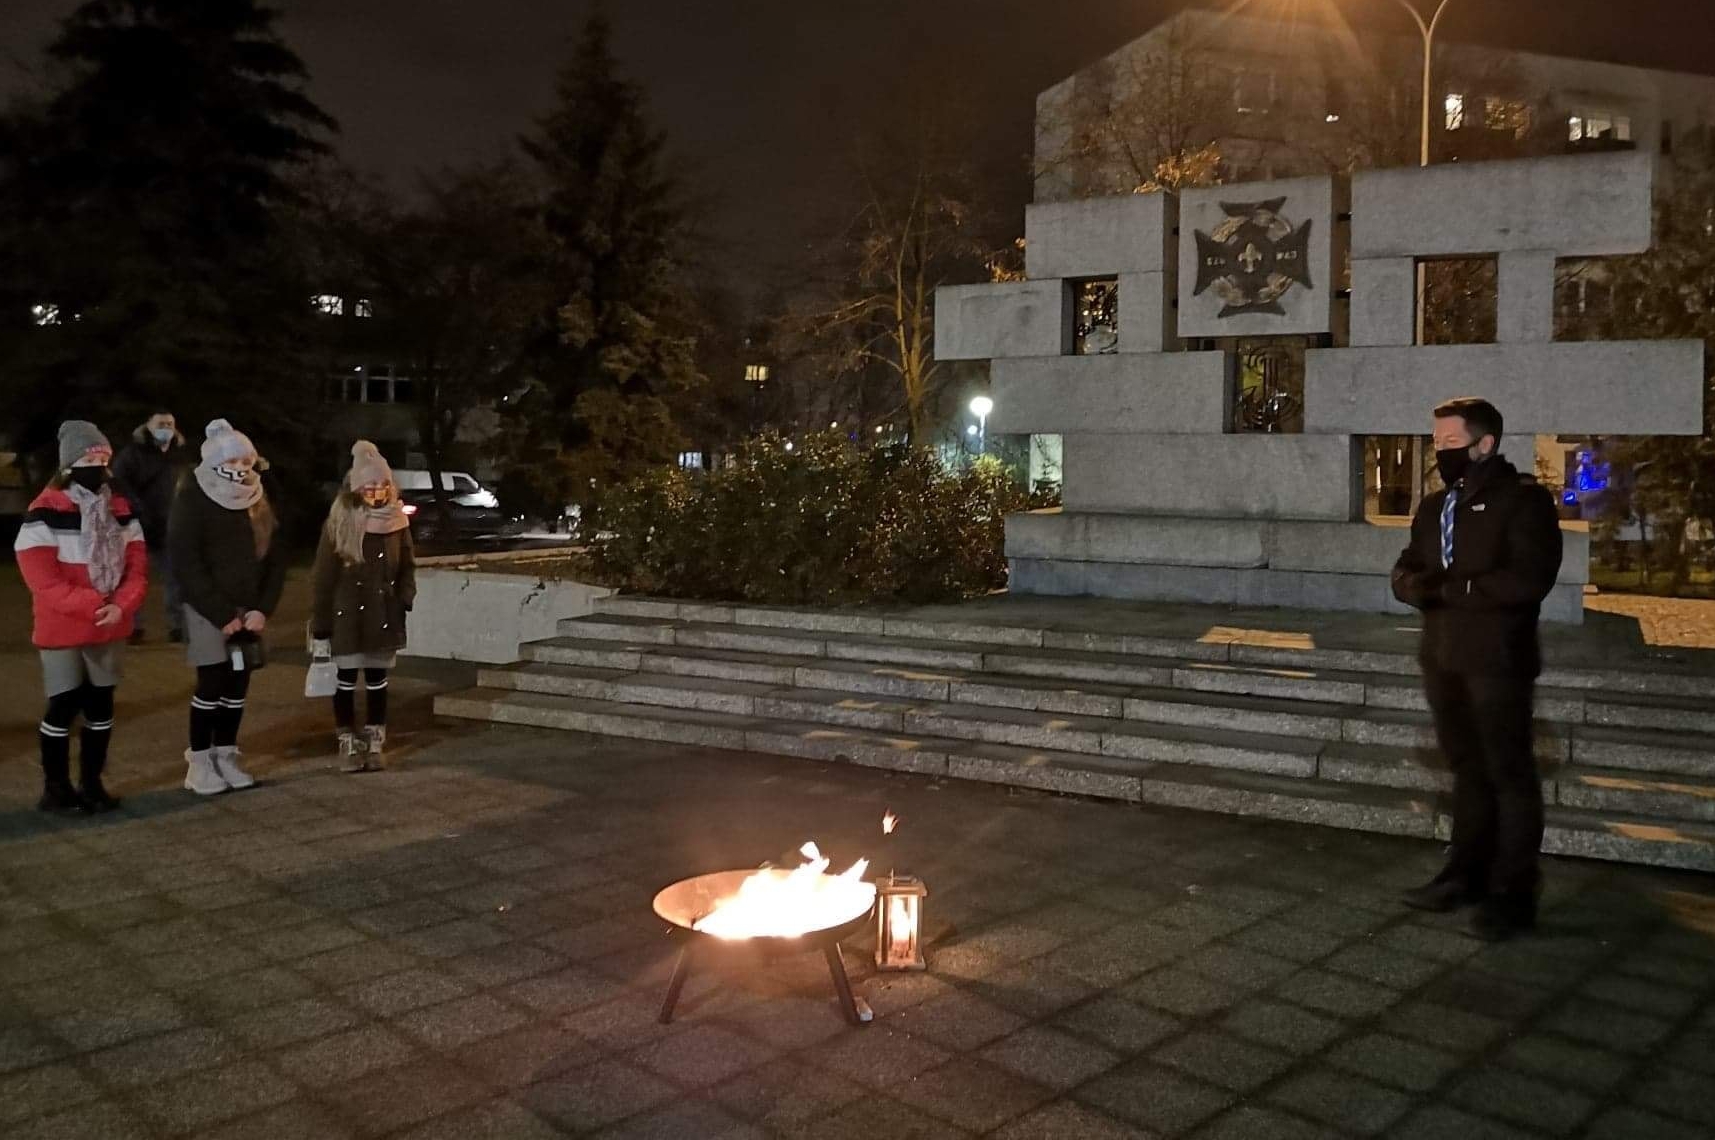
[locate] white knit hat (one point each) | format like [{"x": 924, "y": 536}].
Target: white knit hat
[
  {"x": 368, "y": 467},
  {"x": 226, "y": 443}
]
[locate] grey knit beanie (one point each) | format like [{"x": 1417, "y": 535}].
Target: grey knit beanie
[{"x": 77, "y": 438}]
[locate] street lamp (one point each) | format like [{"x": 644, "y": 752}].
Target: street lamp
[
  {"x": 1428, "y": 28},
  {"x": 981, "y": 406}
]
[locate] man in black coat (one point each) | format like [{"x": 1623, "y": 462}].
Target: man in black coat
[
  {"x": 1485, "y": 551},
  {"x": 148, "y": 472}
]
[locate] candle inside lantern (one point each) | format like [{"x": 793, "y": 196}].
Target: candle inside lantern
[
  {"x": 902, "y": 924},
  {"x": 899, "y": 923}
]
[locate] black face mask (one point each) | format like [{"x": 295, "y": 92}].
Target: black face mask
[
  {"x": 1454, "y": 463},
  {"x": 89, "y": 478}
]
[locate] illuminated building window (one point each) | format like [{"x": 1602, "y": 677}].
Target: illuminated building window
[
  {"x": 45, "y": 315},
  {"x": 328, "y": 304},
  {"x": 1599, "y": 125},
  {"x": 756, "y": 373},
  {"x": 362, "y": 308},
  {"x": 1455, "y": 108},
  {"x": 1508, "y": 115}
]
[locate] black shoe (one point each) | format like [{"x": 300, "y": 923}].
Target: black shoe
[
  {"x": 1441, "y": 895},
  {"x": 96, "y": 798},
  {"x": 1500, "y": 917},
  {"x": 61, "y": 799}
]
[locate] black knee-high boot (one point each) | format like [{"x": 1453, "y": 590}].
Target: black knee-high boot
[
  {"x": 54, "y": 733},
  {"x": 92, "y": 758}
]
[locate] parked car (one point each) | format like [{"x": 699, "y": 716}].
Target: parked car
[{"x": 476, "y": 512}]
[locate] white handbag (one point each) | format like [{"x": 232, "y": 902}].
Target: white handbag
[{"x": 321, "y": 679}]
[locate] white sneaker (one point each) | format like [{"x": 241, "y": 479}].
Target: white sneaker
[
  {"x": 226, "y": 763},
  {"x": 202, "y": 777},
  {"x": 351, "y": 751},
  {"x": 375, "y": 744}
]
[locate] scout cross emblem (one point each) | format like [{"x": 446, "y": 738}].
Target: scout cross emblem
[{"x": 1252, "y": 258}]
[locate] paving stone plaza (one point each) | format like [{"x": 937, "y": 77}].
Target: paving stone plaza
[{"x": 464, "y": 948}]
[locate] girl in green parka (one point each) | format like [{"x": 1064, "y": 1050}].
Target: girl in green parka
[{"x": 365, "y": 582}]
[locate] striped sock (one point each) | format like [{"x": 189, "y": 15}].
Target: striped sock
[
  {"x": 230, "y": 716},
  {"x": 203, "y": 714}
]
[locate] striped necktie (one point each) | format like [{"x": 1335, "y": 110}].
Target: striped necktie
[{"x": 1447, "y": 527}]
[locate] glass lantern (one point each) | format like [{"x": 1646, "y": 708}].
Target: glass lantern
[{"x": 899, "y": 923}]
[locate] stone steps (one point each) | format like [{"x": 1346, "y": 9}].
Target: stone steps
[
  {"x": 1388, "y": 714},
  {"x": 1237, "y": 647},
  {"x": 1243, "y": 722},
  {"x": 1068, "y": 677},
  {"x": 1361, "y": 749},
  {"x": 1601, "y": 816}
]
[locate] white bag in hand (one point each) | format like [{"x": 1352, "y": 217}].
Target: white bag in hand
[{"x": 322, "y": 677}]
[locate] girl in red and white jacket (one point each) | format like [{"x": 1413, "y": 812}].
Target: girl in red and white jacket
[{"x": 82, "y": 555}]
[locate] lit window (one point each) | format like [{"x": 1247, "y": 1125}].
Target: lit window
[
  {"x": 1593, "y": 126},
  {"x": 45, "y": 315},
  {"x": 362, "y": 308},
  {"x": 691, "y": 460},
  {"x": 1508, "y": 115},
  {"x": 756, "y": 373},
  {"x": 328, "y": 304},
  {"x": 1455, "y": 112}
]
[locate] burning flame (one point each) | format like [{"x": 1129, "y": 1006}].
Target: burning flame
[
  {"x": 888, "y": 823},
  {"x": 777, "y": 904}
]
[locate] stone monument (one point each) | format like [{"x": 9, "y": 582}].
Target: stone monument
[{"x": 1165, "y": 500}]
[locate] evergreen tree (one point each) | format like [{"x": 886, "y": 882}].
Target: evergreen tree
[
  {"x": 616, "y": 356},
  {"x": 142, "y": 207}
]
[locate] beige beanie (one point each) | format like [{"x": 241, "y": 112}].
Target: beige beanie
[{"x": 367, "y": 466}]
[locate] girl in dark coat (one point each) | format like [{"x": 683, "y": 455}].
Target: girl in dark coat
[
  {"x": 365, "y": 583},
  {"x": 231, "y": 568}
]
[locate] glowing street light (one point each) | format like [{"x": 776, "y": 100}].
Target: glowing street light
[{"x": 981, "y": 406}]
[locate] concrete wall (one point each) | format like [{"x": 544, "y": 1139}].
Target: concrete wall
[
  {"x": 1222, "y": 476},
  {"x": 1384, "y": 302},
  {"x": 1367, "y": 547},
  {"x": 1014, "y": 318},
  {"x": 1573, "y": 388},
  {"x": 1121, "y": 392},
  {"x": 1363, "y": 593},
  {"x": 1100, "y": 237},
  {"x": 1073, "y": 537},
  {"x": 464, "y": 614},
  {"x": 1577, "y": 206}
]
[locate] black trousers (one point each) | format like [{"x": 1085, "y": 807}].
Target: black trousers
[{"x": 1485, "y": 731}]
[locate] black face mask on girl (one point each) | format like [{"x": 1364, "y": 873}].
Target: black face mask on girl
[{"x": 89, "y": 478}]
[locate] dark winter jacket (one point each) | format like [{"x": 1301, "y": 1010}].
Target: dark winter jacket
[
  {"x": 148, "y": 476},
  {"x": 362, "y": 608},
  {"x": 1480, "y": 614},
  {"x": 213, "y": 551}
]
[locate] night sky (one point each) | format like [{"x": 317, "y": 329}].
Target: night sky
[{"x": 757, "y": 95}]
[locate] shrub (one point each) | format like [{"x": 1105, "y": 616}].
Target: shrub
[{"x": 823, "y": 524}]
